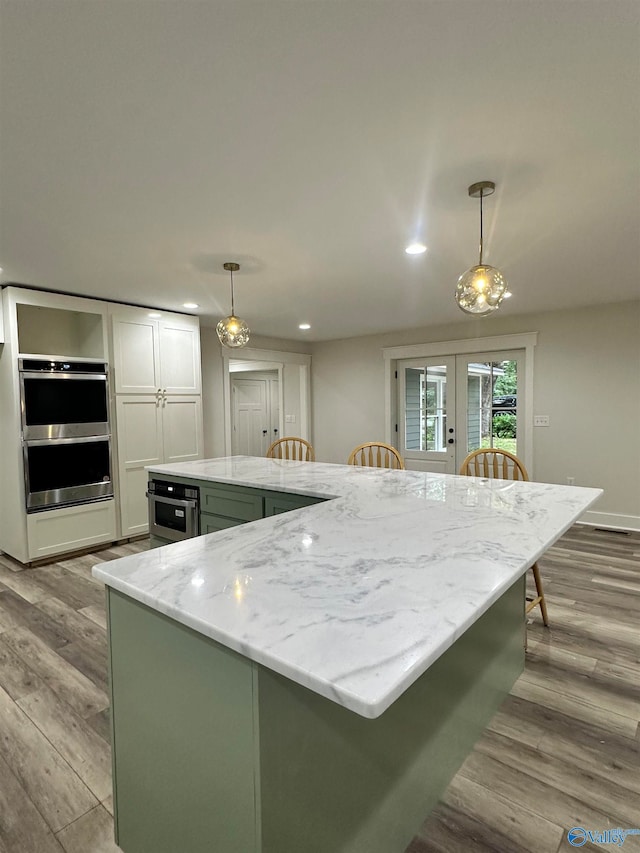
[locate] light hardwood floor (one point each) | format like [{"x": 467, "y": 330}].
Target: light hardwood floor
[{"x": 562, "y": 751}]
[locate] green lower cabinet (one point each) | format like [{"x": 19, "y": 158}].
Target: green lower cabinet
[
  {"x": 216, "y": 754},
  {"x": 211, "y": 523},
  {"x": 237, "y": 502},
  {"x": 279, "y": 502}
]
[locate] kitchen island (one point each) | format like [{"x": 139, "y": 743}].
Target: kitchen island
[{"x": 312, "y": 680}]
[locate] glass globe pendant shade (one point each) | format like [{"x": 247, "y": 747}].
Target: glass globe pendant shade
[
  {"x": 233, "y": 332},
  {"x": 480, "y": 290}
]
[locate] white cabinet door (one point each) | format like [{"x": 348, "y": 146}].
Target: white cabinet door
[
  {"x": 57, "y": 531},
  {"x": 182, "y": 428},
  {"x": 152, "y": 354},
  {"x": 136, "y": 353},
  {"x": 139, "y": 419},
  {"x": 180, "y": 355}
]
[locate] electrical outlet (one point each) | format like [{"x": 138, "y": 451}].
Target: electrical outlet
[
  {"x": 541, "y": 420},
  {"x": 290, "y": 419}
]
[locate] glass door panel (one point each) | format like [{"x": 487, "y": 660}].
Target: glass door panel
[
  {"x": 489, "y": 413},
  {"x": 426, "y": 417}
]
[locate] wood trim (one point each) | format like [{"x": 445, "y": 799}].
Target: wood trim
[{"x": 461, "y": 347}]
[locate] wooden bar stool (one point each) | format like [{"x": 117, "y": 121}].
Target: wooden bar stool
[
  {"x": 376, "y": 454},
  {"x": 291, "y": 447},
  {"x": 502, "y": 465}
]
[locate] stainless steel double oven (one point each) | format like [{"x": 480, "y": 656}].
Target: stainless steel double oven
[{"x": 66, "y": 437}]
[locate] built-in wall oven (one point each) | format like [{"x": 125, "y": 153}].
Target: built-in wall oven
[
  {"x": 66, "y": 441},
  {"x": 63, "y": 399},
  {"x": 59, "y": 472}
]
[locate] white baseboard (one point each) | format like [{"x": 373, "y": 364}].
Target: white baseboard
[{"x": 611, "y": 520}]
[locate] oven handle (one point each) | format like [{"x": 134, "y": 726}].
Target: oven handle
[
  {"x": 187, "y": 504},
  {"x": 85, "y": 439},
  {"x": 29, "y": 374}
]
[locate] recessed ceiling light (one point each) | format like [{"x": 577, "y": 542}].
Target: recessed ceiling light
[
  {"x": 190, "y": 305},
  {"x": 304, "y": 326},
  {"x": 154, "y": 315},
  {"x": 415, "y": 249}
]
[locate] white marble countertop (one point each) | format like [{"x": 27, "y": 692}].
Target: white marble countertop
[{"x": 355, "y": 597}]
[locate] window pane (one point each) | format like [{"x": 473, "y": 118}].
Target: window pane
[
  {"x": 414, "y": 407},
  {"x": 425, "y": 408},
  {"x": 435, "y": 408}
]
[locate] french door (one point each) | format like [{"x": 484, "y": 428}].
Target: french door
[{"x": 452, "y": 405}]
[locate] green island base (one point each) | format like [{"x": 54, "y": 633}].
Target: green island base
[{"x": 213, "y": 753}]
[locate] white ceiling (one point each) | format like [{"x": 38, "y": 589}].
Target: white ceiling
[{"x": 145, "y": 142}]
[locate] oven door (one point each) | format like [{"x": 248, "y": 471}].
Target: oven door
[
  {"x": 172, "y": 518},
  {"x": 63, "y": 405},
  {"x": 67, "y": 471}
]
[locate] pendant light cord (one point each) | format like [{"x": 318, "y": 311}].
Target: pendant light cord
[
  {"x": 233, "y": 310},
  {"x": 481, "y": 192}
]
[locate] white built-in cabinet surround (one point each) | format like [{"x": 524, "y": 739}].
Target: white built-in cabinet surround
[
  {"x": 157, "y": 383},
  {"x": 41, "y": 324},
  {"x": 156, "y": 410}
]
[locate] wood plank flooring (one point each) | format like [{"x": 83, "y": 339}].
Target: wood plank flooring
[
  {"x": 562, "y": 751},
  {"x": 55, "y": 759},
  {"x": 564, "y": 748}
]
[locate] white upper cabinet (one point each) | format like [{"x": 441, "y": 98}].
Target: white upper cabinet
[
  {"x": 180, "y": 355},
  {"x": 136, "y": 359},
  {"x": 155, "y": 356}
]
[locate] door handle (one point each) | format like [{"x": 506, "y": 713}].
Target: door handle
[
  {"x": 451, "y": 441},
  {"x": 265, "y": 431}
]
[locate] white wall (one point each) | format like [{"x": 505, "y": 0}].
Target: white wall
[
  {"x": 212, "y": 385},
  {"x": 586, "y": 378}
]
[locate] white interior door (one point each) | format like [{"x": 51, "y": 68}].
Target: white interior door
[
  {"x": 274, "y": 409},
  {"x": 250, "y": 433}
]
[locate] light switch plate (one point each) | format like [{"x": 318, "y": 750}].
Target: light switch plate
[
  {"x": 290, "y": 419},
  {"x": 541, "y": 420}
]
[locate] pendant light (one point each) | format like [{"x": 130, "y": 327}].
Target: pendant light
[
  {"x": 232, "y": 331},
  {"x": 481, "y": 289}
]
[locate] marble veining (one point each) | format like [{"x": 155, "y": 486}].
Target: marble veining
[{"x": 357, "y": 596}]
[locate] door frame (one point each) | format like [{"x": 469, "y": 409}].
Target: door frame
[
  {"x": 260, "y": 357},
  {"x": 525, "y": 341}
]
